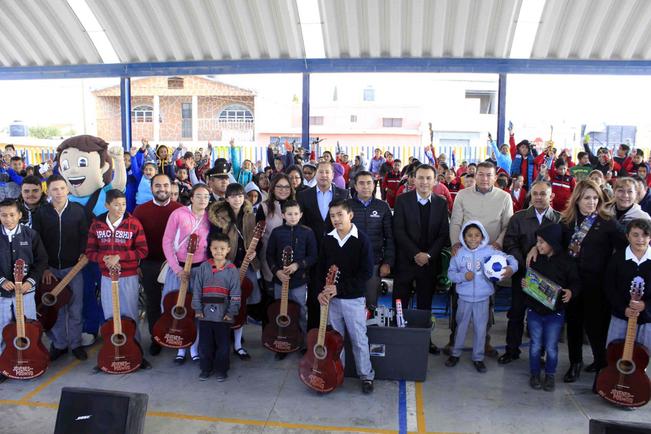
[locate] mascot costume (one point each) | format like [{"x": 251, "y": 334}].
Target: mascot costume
[{"x": 91, "y": 169}]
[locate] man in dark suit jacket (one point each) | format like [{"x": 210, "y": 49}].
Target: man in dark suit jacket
[
  {"x": 315, "y": 202},
  {"x": 421, "y": 228}
]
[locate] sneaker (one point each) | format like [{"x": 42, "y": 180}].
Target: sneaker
[
  {"x": 480, "y": 367},
  {"x": 80, "y": 354},
  {"x": 451, "y": 361},
  {"x": 179, "y": 360},
  {"x": 550, "y": 383},
  {"x": 144, "y": 365},
  {"x": 154, "y": 349},
  {"x": 55, "y": 353},
  {"x": 221, "y": 377},
  {"x": 367, "y": 387},
  {"x": 280, "y": 356},
  {"x": 507, "y": 358},
  {"x": 203, "y": 376},
  {"x": 534, "y": 382}
]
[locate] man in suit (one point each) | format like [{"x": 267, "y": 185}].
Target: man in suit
[
  {"x": 421, "y": 230},
  {"x": 315, "y": 202}
]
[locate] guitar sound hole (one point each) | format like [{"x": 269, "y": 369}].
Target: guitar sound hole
[
  {"x": 320, "y": 352},
  {"x": 21, "y": 343},
  {"x": 49, "y": 299},
  {"x": 626, "y": 367},
  {"x": 118, "y": 339},
  {"x": 283, "y": 320},
  {"x": 179, "y": 312}
]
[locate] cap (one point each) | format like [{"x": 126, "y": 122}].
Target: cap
[
  {"x": 552, "y": 235},
  {"x": 220, "y": 169}
]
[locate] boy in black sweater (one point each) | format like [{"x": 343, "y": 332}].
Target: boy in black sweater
[
  {"x": 545, "y": 325},
  {"x": 628, "y": 269},
  {"x": 303, "y": 243},
  {"x": 350, "y": 250}
]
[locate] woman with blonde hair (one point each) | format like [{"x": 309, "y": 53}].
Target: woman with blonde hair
[
  {"x": 624, "y": 205},
  {"x": 598, "y": 177}
]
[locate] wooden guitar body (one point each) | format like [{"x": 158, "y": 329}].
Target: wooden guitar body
[
  {"x": 120, "y": 353},
  {"x": 48, "y": 305},
  {"x": 246, "y": 290},
  {"x": 176, "y": 327},
  {"x": 26, "y": 357},
  {"x": 320, "y": 368},
  {"x": 621, "y": 382},
  {"x": 282, "y": 333}
]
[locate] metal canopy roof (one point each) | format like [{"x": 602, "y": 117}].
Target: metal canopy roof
[{"x": 36, "y": 33}]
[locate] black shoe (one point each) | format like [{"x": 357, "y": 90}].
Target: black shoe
[
  {"x": 433, "y": 349},
  {"x": 451, "y": 361},
  {"x": 573, "y": 373},
  {"x": 3, "y": 378},
  {"x": 80, "y": 354},
  {"x": 447, "y": 350},
  {"x": 550, "y": 383},
  {"x": 154, "y": 349},
  {"x": 507, "y": 358},
  {"x": 221, "y": 377},
  {"x": 203, "y": 376},
  {"x": 242, "y": 354},
  {"x": 179, "y": 360},
  {"x": 144, "y": 365},
  {"x": 480, "y": 367},
  {"x": 55, "y": 353},
  {"x": 534, "y": 382},
  {"x": 280, "y": 356},
  {"x": 594, "y": 367},
  {"x": 367, "y": 387}
]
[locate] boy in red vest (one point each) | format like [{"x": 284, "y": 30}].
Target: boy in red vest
[
  {"x": 391, "y": 182},
  {"x": 562, "y": 185}
]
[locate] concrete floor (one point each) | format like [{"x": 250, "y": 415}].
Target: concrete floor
[{"x": 266, "y": 396}]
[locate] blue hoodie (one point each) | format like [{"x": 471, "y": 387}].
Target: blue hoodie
[{"x": 479, "y": 288}]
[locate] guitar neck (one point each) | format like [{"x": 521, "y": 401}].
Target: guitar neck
[
  {"x": 246, "y": 261},
  {"x": 185, "y": 282},
  {"x": 629, "y": 343},
  {"x": 284, "y": 298},
  {"x": 20, "y": 312},
  {"x": 69, "y": 276},
  {"x": 115, "y": 293},
  {"x": 323, "y": 324}
]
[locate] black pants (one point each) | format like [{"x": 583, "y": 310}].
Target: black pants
[
  {"x": 214, "y": 346},
  {"x": 589, "y": 311},
  {"x": 403, "y": 284},
  {"x": 153, "y": 290},
  {"x": 515, "y": 325},
  {"x": 314, "y": 287}
]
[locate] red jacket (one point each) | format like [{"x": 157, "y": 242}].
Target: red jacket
[
  {"x": 443, "y": 191},
  {"x": 391, "y": 183},
  {"x": 518, "y": 203},
  {"x": 128, "y": 241},
  {"x": 562, "y": 187},
  {"x": 454, "y": 187}
]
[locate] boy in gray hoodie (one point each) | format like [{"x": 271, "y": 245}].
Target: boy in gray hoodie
[
  {"x": 474, "y": 289},
  {"x": 216, "y": 300}
]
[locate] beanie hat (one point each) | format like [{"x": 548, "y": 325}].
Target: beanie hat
[{"x": 552, "y": 235}]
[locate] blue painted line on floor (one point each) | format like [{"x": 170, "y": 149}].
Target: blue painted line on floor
[{"x": 402, "y": 407}]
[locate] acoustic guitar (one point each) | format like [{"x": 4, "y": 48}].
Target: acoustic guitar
[
  {"x": 176, "y": 327},
  {"x": 120, "y": 353},
  {"x": 53, "y": 296},
  {"x": 282, "y": 333},
  {"x": 623, "y": 382},
  {"x": 246, "y": 285},
  {"x": 24, "y": 356},
  {"x": 320, "y": 368}
]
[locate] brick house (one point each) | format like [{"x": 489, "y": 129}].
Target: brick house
[{"x": 188, "y": 109}]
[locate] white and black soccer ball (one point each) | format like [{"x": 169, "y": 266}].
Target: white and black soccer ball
[{"x": 494, "y": 267}]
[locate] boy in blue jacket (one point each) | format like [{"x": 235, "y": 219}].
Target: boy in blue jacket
[{"x": 474, "y": 289}]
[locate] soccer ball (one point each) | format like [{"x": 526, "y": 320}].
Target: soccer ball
[{"x": 494, "y": 267}]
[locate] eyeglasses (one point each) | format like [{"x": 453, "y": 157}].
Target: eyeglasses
[
  {"x": 201, "y": 196},
  {"x": 283, "y": 187}
]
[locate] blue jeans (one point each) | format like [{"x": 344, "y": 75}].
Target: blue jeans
[{"x": 544, "y": 330}]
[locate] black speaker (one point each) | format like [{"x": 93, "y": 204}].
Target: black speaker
[
  {"x": 93, "y": 411},
  {"x": 598, "y": 426}
]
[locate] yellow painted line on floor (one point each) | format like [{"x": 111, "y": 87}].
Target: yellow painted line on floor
[
  {"x": 420, "y": 409},
  {"x": 29, "y": 403}
]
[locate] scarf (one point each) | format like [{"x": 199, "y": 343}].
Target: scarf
[{"x": 580, "y": 231}]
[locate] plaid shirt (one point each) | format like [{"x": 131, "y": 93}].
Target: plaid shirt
[{"x": 128, "y": 241}]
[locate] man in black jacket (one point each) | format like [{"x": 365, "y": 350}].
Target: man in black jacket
[
  {"x": 63, "y": 226},
  {"x": 520, "y": 237},
  {"x": 31, "y": 198},
  {"x": 374, "y": 218},
  {"x": 422, "y": 229},
  {"x": 314, "y": 203}
]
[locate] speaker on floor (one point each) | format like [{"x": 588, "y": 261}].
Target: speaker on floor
[
  {"x": 598, "y": 426},
  {"x": 94, "y": 411}
]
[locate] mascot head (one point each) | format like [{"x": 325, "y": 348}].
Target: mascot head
[{"x": 85, "y": 164}]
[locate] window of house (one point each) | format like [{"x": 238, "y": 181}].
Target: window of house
[
  {"x": 487, "y": 100},
  {"x": 175, "y": 83},
  {"x": 142, "y": 113},
  {"x": 369, "y": 94},
  {"x": 392, "y": 122},
  {"x": 316, "y": 120},
  {"x": 236, "y": 112}
]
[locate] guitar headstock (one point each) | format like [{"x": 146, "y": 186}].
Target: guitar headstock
[
  {"x": 20, "y": 269},
  {"x": 288, "y": 256},
  {"x": 259, "y": 229},
  {"x": 115, "y": 274},
  {"x": 192, "y": 243},
  {"x": 637, "y": 288},
  {"x": 333, "y": 275}
]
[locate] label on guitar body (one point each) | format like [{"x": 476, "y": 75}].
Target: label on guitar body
[
  {"x": 622, "y": 396},
  {"x": 171, "y": 339},
  {"x": 316, "y": 382},
  {"x": 122, "y": 366},
  {"x": 282, "y": 345},
  {"x": 23, "y": 371}
]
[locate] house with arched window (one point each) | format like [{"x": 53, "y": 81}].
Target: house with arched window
[{"x": 178, "y": 109}]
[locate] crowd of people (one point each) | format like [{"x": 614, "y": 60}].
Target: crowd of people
[{"x": 584, "y": 226}]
